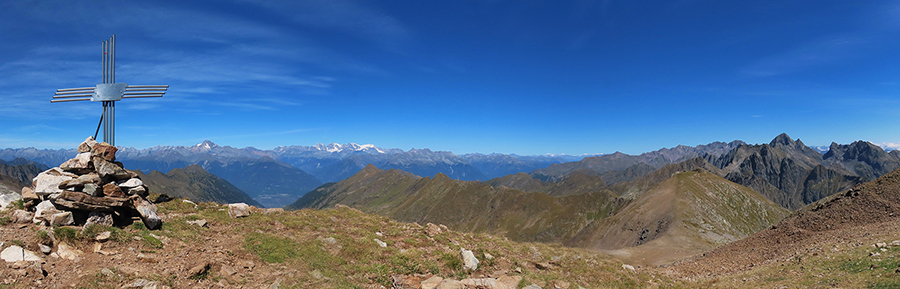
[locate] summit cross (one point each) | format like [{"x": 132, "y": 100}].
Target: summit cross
[{"x": 108, "y": 92}]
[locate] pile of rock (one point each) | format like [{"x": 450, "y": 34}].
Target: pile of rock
[{"x": 90, "y": 188}]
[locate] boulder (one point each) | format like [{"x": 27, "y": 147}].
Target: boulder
[
  {"x": 449, "y": 284},
  {"x": 47, "y": 182},
  {"x": 87, "y": 145},
  {"x": 15, "y": 253},
  {"x": 432, "y": 229},
  {"x": 93, "y": 190},
  {"x": 105, "y": 151},
  {"x": 147, "y": 211},
  {"x": 198, "y": 223},
  {"x": 469, "y": 261},
  {"x": 103, "y": 236},
  {"x": 28, "y": 194},
  {"x": 80, "y": 164},
  {"x": 84, "y": 202},
  {"x": 238, "y": 210}
]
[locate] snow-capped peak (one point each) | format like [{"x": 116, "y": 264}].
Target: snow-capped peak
[
  {"x": 206, "y": 145},
  {"x": 350, "y": 147}
]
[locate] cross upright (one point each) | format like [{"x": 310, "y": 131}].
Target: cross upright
[{"x": 109, "y": 92}]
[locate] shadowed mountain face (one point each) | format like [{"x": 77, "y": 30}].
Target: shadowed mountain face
[
  {"x": 273, "y": 184},
  {"x": 196, "y": 184},
  {"x": 21, "y": 169}
]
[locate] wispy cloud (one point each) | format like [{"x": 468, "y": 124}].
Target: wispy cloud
[
  {"x": 889, "y": 146},
  {"x": 811, "y": 55}
]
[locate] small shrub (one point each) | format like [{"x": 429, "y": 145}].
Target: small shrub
[
  {"x": 4, "y": 221},
  {"x": 17, "y": 242},
  {"x": 452, "y": 261}
]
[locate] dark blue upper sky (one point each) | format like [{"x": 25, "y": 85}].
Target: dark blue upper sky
[{"x": 525, "y": 77}]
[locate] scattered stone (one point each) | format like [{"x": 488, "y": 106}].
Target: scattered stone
[
  {"x": 628, "y": 267},
  {"x": 379, "y": 234},
  {"x": 273, "y": 210},
  {"x": 146, "y": 259},
  {"x": 316, "y": 274},
  {"x": 62, "y": 219},
  {"x": 405, "y": 282},
  {"x": 99, "y": 218},
  {"x": 469, "y": 261},
  {"x": 380, "y": 243},
  {"x": 15, "y": 253},
  {"x": 189, "y": 202},
  {"x": 542, "y": 265},
  {"x": 146, "y": 284},
  {"x": 67, "y": 252},
  {"x": 510, "y": 281},
  {"x": 238, "y": 210},
  {"x": 103, "y": 236},
  {"x": 449, "y": 284},
  {"x": 532, "y": 286},
  {"x": 45, "y": 249},
  {"x": 329, "y": 240},
  {"x": 559, "y": 284},
  {"x": 895, "y": 243},
  {"x": 246, "y": 264},
  {"x": 227, "y": 270},
  {"x": 22, "y": 216},
  {"x": 488, "y": 256},
  {"x": 483, "y": 283},
  {"x": 198, "y": 223},
  {"x": 432, "y": 230},
  {"x": 35, "y": 269},
  {"x": 199, "y": 269},
  {"x": 431, "y": 283},
  {"x": 880, "y": 245}
]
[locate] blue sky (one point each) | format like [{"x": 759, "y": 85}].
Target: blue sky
[{"x": 524, "y": 77}]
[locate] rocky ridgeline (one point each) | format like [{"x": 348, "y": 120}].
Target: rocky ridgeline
[{"x": 90, "y": 188}]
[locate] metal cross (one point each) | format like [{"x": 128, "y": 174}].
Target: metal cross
[{"x": 109, "y": 92}]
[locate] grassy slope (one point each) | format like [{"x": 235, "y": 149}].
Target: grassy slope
[{"x": 687, "y": 214}]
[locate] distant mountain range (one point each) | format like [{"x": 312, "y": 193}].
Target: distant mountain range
[{"x": 279, "y": 176}]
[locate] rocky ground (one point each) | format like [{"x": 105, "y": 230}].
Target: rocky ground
[{"x": 335, "y": 248}]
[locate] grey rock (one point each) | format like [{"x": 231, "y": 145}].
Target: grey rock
[
  {"x": 110, "y": 170},
  {"x": 103, "y": 236},
  {"x": 147, "y": 211},
  {"x": 43, "y": 211},
  {"x": 450, "y": 284},
  {"x": 92, "y": 190},
  {"x": 45, "y": 249},
  {"x": 532, "y": 286},
  {"x": 130, "y": 183}
]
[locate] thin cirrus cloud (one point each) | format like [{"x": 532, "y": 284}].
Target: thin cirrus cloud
[{"x": 808, "y": 56}]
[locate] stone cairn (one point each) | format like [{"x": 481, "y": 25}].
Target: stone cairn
[{"x": 91, "y": 188}]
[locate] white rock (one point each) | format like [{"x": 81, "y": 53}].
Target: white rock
[
  {"x": 469, "y": 261},
  {"x": 67, "y": 252},
  {"x": 47, "y": 182},
  {"x": 43, "y": 211},
  {"x": 238, "y": 210},
  {"x": 627, "y": 267},
  {"x": 381, "y": 243},
  {"x": 61, "y": 219},
  {"x": 15, "y": 253},
  {"x": 7, "y": 199},
  {"x": 130, "y": 183},
  {"x": 81, "y": 162}
]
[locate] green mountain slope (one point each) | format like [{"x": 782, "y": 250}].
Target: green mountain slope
[
  {"x": 196, "y": 184},
  {"x": 465, "y": 205},
  {"x": 686, "y": 214}
]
